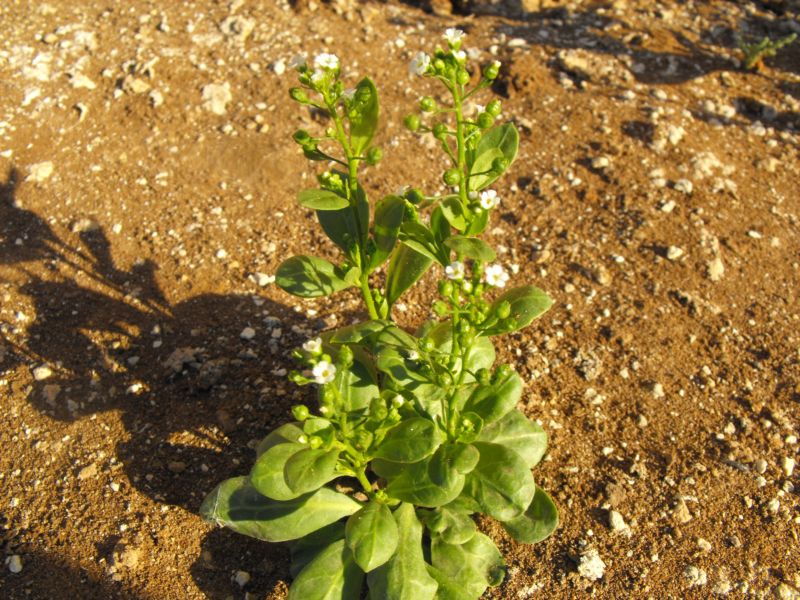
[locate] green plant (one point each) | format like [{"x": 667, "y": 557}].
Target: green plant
[
  {"x": 424, "y": 424},
  {"x": 755, "y": 53}
]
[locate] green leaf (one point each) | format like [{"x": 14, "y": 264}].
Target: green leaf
[
  {"x": 237, "y": 505},
  {"x": 267, "y": 474},
  {"x": 458, "y": 526},
  {"x": 304, "y": 550},
  {"x": 404, "y": 576},
  {"x": 501, "y": 141},
  {"x": 420, "y": 238},
  {"x": 501, "y": 483},
  {"x": 440, "y": 227},
  {"x": 357, "y": 385},
  {"x": 410, "y": 441},
  {"x": 480, "y": 355},
  {"x": 406, "y": 373},
  {"x": 431, "y": 483},
  {"x": 478, "y": 223},
  {"x": 471, "y": 247},
  {"x": 358, "y": 332},
  {"x": 520, "y": 434},
  {"x": 372, "y": 535},
  {"x": 495, "y": 400},
  {"x": 405, "y": 268},
  {"x": 321, "y": 200},
  {"x": 452, "y": 457},
  {"x": 288, "y": 432},
  {"x": 448, "y": 588},
  {"x": 389, "y": 214},
  {"x": 347, "y": 227},
  {"x": 538, "y": 521},
  {"x": 363, "y": 116},
  {"x": 310, "y": 469},
  {"x": 527, "y": 303},
  {"x": 392, "y": 335},
  {"x": 332, "y": 575},
  {"x": 475, "y": 565},
  {"x": 453, "y": 211},
  {"x": 311, "y": 277}
]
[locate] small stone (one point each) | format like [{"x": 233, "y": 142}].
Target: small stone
[
  {"x": 591, "y": 566},
  {"x": 248, "y": 333},
  {"x": 657, "y": 390},
  {"x": 601, "y": 275},
  {"x": 222, "y": 253},
  {"x": 722, "y": 588},
  {"x": 684, "y": 185},
  {"x": 125, "y": 555},
  {"x": 81, "y": 81},
  {"x": 42, "y": 372},
  {"x": 774, "y": 506},
  {"x": 216, "y": 97},
  {"x": 84, "y": 225},
  {"x": 87, "y": 472},
  {"x": 156, "y": 98},
  {"x": 788, "y": 464},
  {"x": 674, "y": 252},
  {"x": 617, "y": 522},
  {"x": 715, "y": 269},
  {"x": 237, "y": 27},
  {"x": 704, "y": 545},
  {"x": 784, "y": 591},
  {"x": 760, "y": 466},
  {"x": 279, "y": 67},
  {"x": 668, "y": 206},
  {"x": 241, "y": 578},
  {"x": 134, "y": 85},
  {"x": 262, "y": 279},
  {"x": 756, "y": 235},
  {"x": 176, "y": 466},
  {"x": 50, "y": 392},
  {"x": 694, "y": 576},
  {"x": 681, "y": 512},
  {"x": 40, "y": 172},
  {"x": 601, "y": 162},
  {"x": 14, "y": 563}
]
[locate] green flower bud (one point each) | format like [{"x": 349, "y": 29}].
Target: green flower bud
[
  {"x": 301, "y": 136},
  {"x": 427, "y": 344},
  {"x": 297, "y": 378},
  {"x": 412, "y": 122},
  {"x": 363, "y": 439},
  {"x": 440, "y": 308},
  {"x": 439, "y": 66},
  {"x": 374, "y": 155},
  {"x": 427, "y": 104},
  {"x": 494, "y": 108},
  {"x": 452, "y": 176},
  {"x": 502, "y": 372},
  {"x": 299, "y": 95},
  {"x": 462, "y": 77},
  {"x": 440, "y": 131},
  {"x": 377, "y": 409},
  {"x": 483, "y": 376},
  {"x": 499, "y": 164},
  {"x": 492, "y": 71},
  {"x": 445, "y": 288},
  {"x": 503, "y": 310},
  {"x": 315, "y": 441},
  {"x": 300, "y": 412},
  {"x": 345, "y": 357},
  {"x": 485, "y": 120},
  {"x": 398, "y": 401},
  {"x": 328, "y": 395},
  {"x": 394, "y": 416},
  {"x": 414, "y": 196}
]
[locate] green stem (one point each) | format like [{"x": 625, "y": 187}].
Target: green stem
[{"x": 362, "y": 479}]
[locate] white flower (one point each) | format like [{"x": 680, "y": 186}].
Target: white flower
[
  {"x": 489, "y": 199},
  {"x": 496, "y": 276},
  {"x": 298, "y": 61},
  {"x": 455, "y": 270},
  {"x": 472, "y": 195},
  {"x": 496, "y": 64},
  {"x": 398, "y": 401},
  {"x": 313, "y": 346},
  {"x": 326, "y": 61},
  {"x": 349, "y": 94},
  {"x": 324, "y": 410},
  {"x": 302, "y": 439},
  {"x": 419, "y": 64},
  {"x": 479, "y": 108},
  {"x": 460, "y": 55},
  {"x": 453, "y": 36},
  {"x": 413, "y": 355},
  {"x": 324, "y": 372},
  {"x": 317, "y": 77}
]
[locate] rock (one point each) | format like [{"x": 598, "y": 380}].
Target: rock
[
  {"x": 782, "y": 591},
  {"x": 262, "y": 279},
  {"x": 657, "y": 390},
  {"x": 87, "y": 472},
  {"x": 181, "y": 357},
  {"x": 84, "y": 225},
  {"x": 40, "y": 172},
  {"x": 14, "y": 563},
  {"x": 694, "y": 576},
  {"x": 81, "y": 81},
  {"x": 704, "y": 545},
  {"x": 279, "y": 67},
  {"x": 237, "y": 27},
  {"x": 156, "y": 98},
  {"x": 600, "y": 162},
  {"x": 248, "y": 333},
  {"x": 588, "y": 364},
  {"x": 684, "y": 185},
  {"x": 134, "y": 85},
  {"x": 210, "y": 373},
  {"x": 125, "y": 555},
  {"x": 715, "y": 269},
  {"x": 674, "y": 252},
  {"x": 176, "y": 466},
  {"x": 681, "y": 512},
  {"x": 601, "y": 275},
  {"x": 788, "y": 464},
  {"x": 42, "y": 372},
  {"x": 50, "y": 392},
  {"x": 591, "y": 566},
  {"x": 241, "y": 578},
  {"x": 617, "y": 522}
]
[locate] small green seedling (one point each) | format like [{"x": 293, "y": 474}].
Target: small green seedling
[
  {"x": 755, "y": 53},
  {"x": 414, "y": 433}
]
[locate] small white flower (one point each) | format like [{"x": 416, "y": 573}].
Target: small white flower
[
  {"x": 489, "y": 199},
  {"x": 298, "y": 61},
  {"x": 324, "y": 372},
  {"x": 413, "y": 355},
  {"x": 460, "y": 56},
  {"x": 326, "y": 61},
  {"x": 496, "y": 64},
  {"x": 455, "y": 270},
  {"x": 317, "y": 77},
  {"x": 349, "y": 94},
  {"x": 479, "y": 108},
  {"x": 419, "y": 64},
  {"x": 496, "y": 276},
  {"x": 473, "y": 195},
  {"x": 398, "y": 401},
  {"x": 453, "y": 36},
  {"x": 313, "y": 346},
  {"x": 302, "y": 439},
  {"x": 324, "y": 410}
]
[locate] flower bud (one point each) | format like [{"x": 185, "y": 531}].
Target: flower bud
[
  {"x": 427, "y": 344},
  {"x": 445, "y": 288},
  {"x": 412, "y": 122},
  {"x": 439, "y": 66},
  {"x": 440, "y": 131},
  {"x": 363, "y": 439},
  {"x": 462, "y": 77},
  {"x": 502, "y": 372},
  {"x": 483, "y": 376},
  {"x": 297, "y": 378},
  {"x": 492, "y": 71},
  {"x": 300, "y": 412},
  {"x": 414, "y": 196},
  {"x": 494, "y": 108},
  {"x": 328, "y": 395},
  {"x": 301, "y": 136},
  {"x": 374, "y": 155},
  {"x": 345, "y": 357},
  {"x": 452, "y": 176},
  {"x": 503, "y": 310},
  {"x": 427, "y": 104},
  {"x": 485, "y": 120},
  {"x": 377, "y": 409},
  {"x": 440, "y": 308},
  {"x": 315, "y": 441},
  {"x": 299, "y": 95},
  {"x": 394, "y": 416},
  {"x": 499, "y": 164}
]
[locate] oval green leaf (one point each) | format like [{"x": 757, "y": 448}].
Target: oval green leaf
[
  {"x": 501, "y": 141},
  {"x": 527, "y": 303},
  {"x": 410, "y": 441},
  {"x": 520, "y": 434},
  {"x": 288, "y": 432},
  {"x": 471, "y": 247},
  {"x": 363, "y": 116},
  {"x": 267, "y": 474},
  {"x": 321, "y": 200},
  {"x": 311, "y": 277},
  {"x": 310, "y": 469},
  {"x": 371, "y": 535},
  {"x": 476, "y": 564},
  {"x": 389, "y": 214},
  {"x": 331, "y": 575},
  {"x": 305, "y": 549},
  {"x": 237, "y": 505},
  {"x": 405, "y": 268},
  {"x": 495, "y": 400},
  {"x": 538, "y": 521}
]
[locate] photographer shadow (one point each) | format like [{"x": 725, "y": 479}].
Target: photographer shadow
[{"x": 193, "y": 395}]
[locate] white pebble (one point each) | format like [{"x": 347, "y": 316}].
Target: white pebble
[
  {"x": 221, "y": 253},
  {"x": 760, "y": 466},
  {"x": 787, "y": 464},
  {"x": 704, "y": 545},
  {"x": 754, "y": 234},
  {"x": 591, "y": 566},
  {"x": 14, "y": 563},
  {"x": 248, "y": 333},
  {"x": 658, "y": 391},
  {"x": 262, "y": 279},
  {"x": 774, "y": 506},
  {"x": 674, "y": 253},
  {"x": 41, "y": 373},
  {"x": 216, "y": 97},
  {"x": 601, "y": 162},
  {"x": 279, "y": 67},
  {"x": 241, "y": 578},
  {"x": 716, "y": 269},
  {"x": 40, "y": 172},
  {"x": 684, "y": 185},
  {"x": 616, "y": 521},
  {"x": 668, "y": 206},
  {"x": 695, "y": 577}
]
